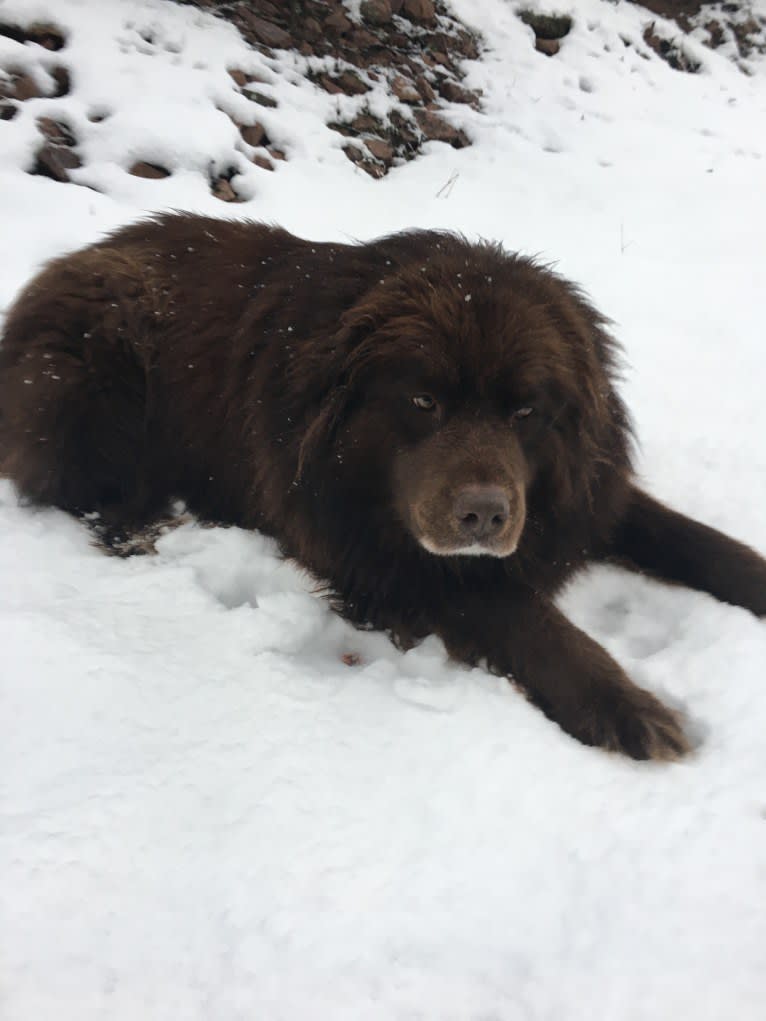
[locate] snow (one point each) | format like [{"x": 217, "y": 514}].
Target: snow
[{"x": 220, "y": 801}]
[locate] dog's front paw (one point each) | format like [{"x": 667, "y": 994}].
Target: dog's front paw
[{"x": 628, "y": 719}]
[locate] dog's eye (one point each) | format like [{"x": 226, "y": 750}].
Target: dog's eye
[
  {"x": 522, "y": 413},
  {"x": 425, "y": 402}
]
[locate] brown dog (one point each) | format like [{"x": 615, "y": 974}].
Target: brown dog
[{"x": 427, "y": 424}]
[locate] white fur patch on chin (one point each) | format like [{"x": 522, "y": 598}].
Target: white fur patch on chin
[{"x": 474, "y": 550}]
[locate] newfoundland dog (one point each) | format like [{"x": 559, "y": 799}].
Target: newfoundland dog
[{"x": 429, "y": 425}]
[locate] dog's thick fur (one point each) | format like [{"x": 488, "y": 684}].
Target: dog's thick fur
[{"x": 387, "y": 411}]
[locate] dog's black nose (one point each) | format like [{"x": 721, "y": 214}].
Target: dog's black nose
[{"x": 481, "y": 512}]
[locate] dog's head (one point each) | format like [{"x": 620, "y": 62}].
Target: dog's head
[{"x": 469, "y": 393}]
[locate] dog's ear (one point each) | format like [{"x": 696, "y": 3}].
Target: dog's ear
[
  {"x": 333, "y": 364},
  {"x": 323, "y": 425},
  {"x": 338, "y": 362}
]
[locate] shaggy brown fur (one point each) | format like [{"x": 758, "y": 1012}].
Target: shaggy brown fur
[{"x": 388, "y": 411}]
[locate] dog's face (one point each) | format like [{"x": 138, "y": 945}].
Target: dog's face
[
  {"x": 455, "y": 460},
  {"x": 465, "y": 417},
  {"x": 460, "y": 488},
  {"x": 455, "y": 467}
]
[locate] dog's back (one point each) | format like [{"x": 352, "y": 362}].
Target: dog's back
[{"x": 81, "y": 346}]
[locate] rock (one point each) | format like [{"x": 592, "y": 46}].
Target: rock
[
  {"x": 716, "y": 34},
  {"x": 276, "y": 154},
  {"x": 63, "y": 82},
  {"x": 547, "y": 26},
  {"x": 262, "y": 99},
  {"x": 363, "y": 39},
  {"x": 352, "y": 84},
  {"x": 266, "y": 32},
  {"x": 7, "y": 111},
  {"x": 339, "y": 23},
  {"x": 243, "y": 78},
  {"x": 405, "y": 90},
  {"x": 262, "y": 162},
  {"x": 46, "y": 35},
  {"x": 253, "y": 134},
  {"x": 407, "y": 137},
  {"x": 466, "y": 45},
  {"x": 312, "y": 30},
  {"x": 436, "y": 129},
  {"x": 268, "y": 9},
  {"x": 223, "y": 190},
  {"x": 349, "y": 82},
  {"x": 354, "y": 153},
  {"x": 419, "y": 10},
  {"x": 550, "y": 47},
  {"x": 378, "y": 57},
  {"x": 424, "y": 88},
  {"x": 55, "y": 161},
  {"x": 152, "y": 171},
  {"x": 455, "y": 93},
  {"x": 329, "y": 85},
  {"x": 376, "y": 12},
  {"x": 55, "y": 131},
  {"x": 21, "y": 87},
  {"x": 371, "y": 167},
  {"x": 343, "y": 129},
  {"x": 366, "y": 122},
  {"x": 380, "y": 149}
]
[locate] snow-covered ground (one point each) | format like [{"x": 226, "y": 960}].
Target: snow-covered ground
[{"x": 221, "y": 802}]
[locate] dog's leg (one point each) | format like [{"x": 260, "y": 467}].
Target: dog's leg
[
  {"x": 567, "y": 674},
  {"x": 663, "y": 543}
]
